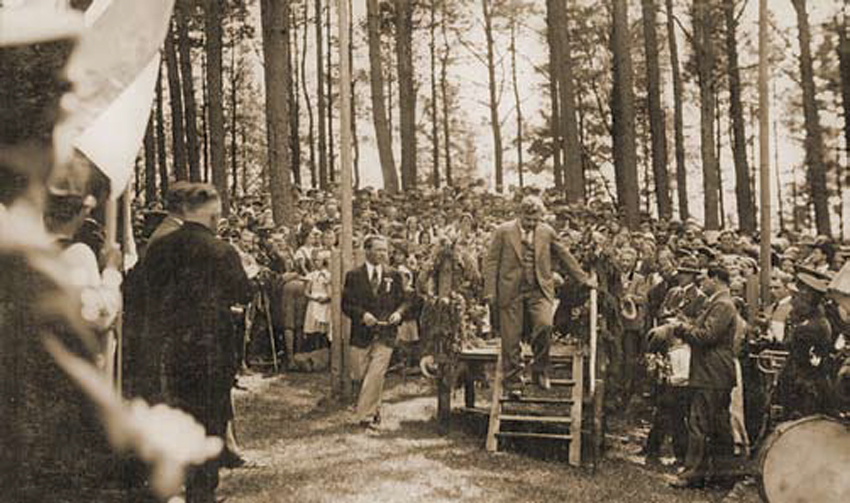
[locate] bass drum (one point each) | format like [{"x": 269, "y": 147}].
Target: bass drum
[{"x": 807, "y": 460}]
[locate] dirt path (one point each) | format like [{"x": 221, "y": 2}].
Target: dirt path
[{"x": 301, "y": 448}]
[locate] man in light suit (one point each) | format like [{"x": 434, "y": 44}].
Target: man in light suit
[
  {"x": 519, "y": 286},
  {"x": 373, "y": 298}
]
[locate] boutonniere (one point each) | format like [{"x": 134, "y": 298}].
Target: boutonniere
[{"x": 388, "y": 284}]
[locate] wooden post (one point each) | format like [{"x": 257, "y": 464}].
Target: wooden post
[
  {"x": 764, "y": 154},
  {"x": 337, "y": 340},
  {"x": 345, "y": 177},
  {"x": 594, "y": 313}
]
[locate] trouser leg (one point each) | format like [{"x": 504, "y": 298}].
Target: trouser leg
[
  {"x": 678, "y": 421},
  {"x": 510, "y": 330},
  {"x": 539, "y": 310},
  {"x": 369, "y": 401}
]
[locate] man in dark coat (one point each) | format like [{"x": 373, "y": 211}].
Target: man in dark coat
[
  {"x": 373, "y": 297},
  {"x": 711, "y": 379},
  {"x": 194, "y": 279}
]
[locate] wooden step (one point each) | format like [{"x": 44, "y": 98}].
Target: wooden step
[
  {"x": 524, "y": 434},
  {"x": 538, "y": 400},
  {"x": 562, "y": 382},
  {"x": 537, "y": 419}
]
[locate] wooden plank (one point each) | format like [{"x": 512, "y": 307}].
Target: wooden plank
[
  {"x": 495, "y": 408},
  {"x": 525, "y": 434},
  {"x": 536, "y": 419},
  {"x": 578, "y": 389},
  {"x": 539, "y": 400}
]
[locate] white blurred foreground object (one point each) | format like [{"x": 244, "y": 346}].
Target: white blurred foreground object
[{"x": 167, "y": 439}]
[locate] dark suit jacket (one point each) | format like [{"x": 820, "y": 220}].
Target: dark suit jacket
[
  {"x": 503, "y": 265},
  {"x": 193, "y": 278},
  {"x": 359, "y": 299},
  {"x": 711, "y": 339}
]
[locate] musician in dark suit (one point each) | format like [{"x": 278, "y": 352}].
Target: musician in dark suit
[
  {"x": 711, "y": 379},
  {"x": 519, "y": 285},
  {"x": 194, "y": 279},
  {"x": 373, "y": 298}
]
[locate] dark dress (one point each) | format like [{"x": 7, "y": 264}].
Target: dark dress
[{"x": 193, "y": 278}]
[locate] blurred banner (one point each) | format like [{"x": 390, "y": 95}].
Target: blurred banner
[{"x": 114, "y": 71}]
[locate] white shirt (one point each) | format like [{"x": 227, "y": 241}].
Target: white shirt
[{"x": 373, "y": 269}]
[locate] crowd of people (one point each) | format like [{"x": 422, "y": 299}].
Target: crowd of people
[{"x": 670, "y": 292}]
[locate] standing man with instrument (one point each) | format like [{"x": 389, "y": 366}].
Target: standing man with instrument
[{"x": 519, "y": 287}]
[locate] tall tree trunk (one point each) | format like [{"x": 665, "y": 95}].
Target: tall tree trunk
[
  {"x": 160, "y": 139},
  {"x": 743, "y": 195},
  {"x": 407, "y": 105},
  {"x": 435, "y": 136},
  {"x": 150, "y": 163},
  {"x": 275, "y": 22},
  {"x": 517, "y": 103},
  {"x": 495, "y": 121},
  {"x": 321, "y": 103},
  {"x": 213, "y": 44},
  {"x": 354, "y": 141},
  {"x": 555, "y": 119},
  {"x": 184, "y": 47},
  {"x": 623, "y": 114},
  {"x": 235, "y": 79},
  {"x": 844, "y": 72},
  {"x": 573, "y": 174},
  {"x": 444, "y": 92},
  {"x": 175, "y": 94},
  {"x": 718, "y": 145},
  {"x": 330, "y": 95},
  {"x": 311, "y": 126},
  {"x": 657, "y": 127},
  {"x": 816, "y": 172},
  {"x": 205, "y": 135},
  {"x": 678, "y": 121},
  {"x": 379, "y": 112},
  {"x": 703, "y": 23},
  {"x": 295, "y": 101}
]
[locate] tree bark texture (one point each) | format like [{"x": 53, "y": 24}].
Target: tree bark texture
[
  {"x": 311, "y": 126},
  {"x": 678, "y": 121},
  {"x": 213, "y": 45},
  {"x": 573, "y": 174},
  {"x": 184, "y": 47},
  {"x": 379, "y": 112},
  {"x": 495, "y": 121},
  {"x": 444, "y": 91},
  {"x": 657, "y": 129},
  {"x": 623, "y": 114},
  {"x": 435, "y": 128},
  {"x": 815, "y": 169},
  {"x": 321, "y": 102},
  {"x": 150, "y": 162},
  {"x": 555, "y": 118},
  {"x": 406, "y": 91},
  {"x": 175, "y": 94},
  {"x": 703, "y": 23},
  {"x": 517, "y": 102},
  {"x": 743, "y": 194},
  {"x": 160, "y": 139},
  {"x": 275, "y": 25}
]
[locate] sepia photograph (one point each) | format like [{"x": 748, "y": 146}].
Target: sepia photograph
[{"x": 424, "y": 251}]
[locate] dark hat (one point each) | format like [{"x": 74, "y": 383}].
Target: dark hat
[
  {"x": 813, "y": 279},
  {"x": 688, "y": 265}
]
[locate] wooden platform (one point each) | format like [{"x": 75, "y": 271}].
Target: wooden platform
[{"x": 561, "y": 407}]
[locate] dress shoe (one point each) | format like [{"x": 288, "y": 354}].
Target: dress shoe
[
  {"x": 368, "y": 425},
  {"x": 542, "y": 380},
  {"x": 681, "y": 482},
  {"x": 230, "y": 459}
]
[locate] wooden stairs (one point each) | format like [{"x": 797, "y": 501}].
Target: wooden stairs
[{"x": 553, "y": 416}]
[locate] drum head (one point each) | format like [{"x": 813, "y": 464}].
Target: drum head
[{"x": 807, "y": 461}]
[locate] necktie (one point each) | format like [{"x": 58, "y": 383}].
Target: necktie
[{"x": 375, "y": 281}]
